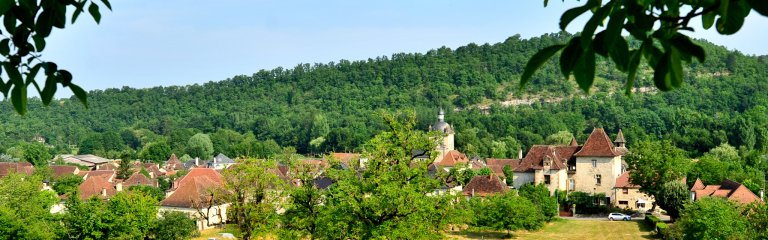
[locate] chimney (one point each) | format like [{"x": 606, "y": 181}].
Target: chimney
[
  {"x": 119, "y": 187},
  {"x": 473, "y": 192},
  {"x": 103, "y": 192},
  {"x": 520, "y": 154},
  {"x": 762, "y": 194},
  {"x": 197, "y": 161}
]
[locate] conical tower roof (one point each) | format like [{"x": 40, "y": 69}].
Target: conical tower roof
[{"x": 620, "y": 137}]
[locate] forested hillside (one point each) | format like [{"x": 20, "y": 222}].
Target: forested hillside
[{"x": 318, "y": 108}]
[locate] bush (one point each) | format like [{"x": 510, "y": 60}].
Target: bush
[
  {"x": 652, "y": 221},
  {"x": 661, "y": 229}
]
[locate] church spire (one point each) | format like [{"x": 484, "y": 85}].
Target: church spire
[{"x": 441, "y": 115}]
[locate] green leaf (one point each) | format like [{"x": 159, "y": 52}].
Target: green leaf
[
  {"x": 537, "y": 60},
  {"x": 50, "y": 68},
  {"x": 730, "y": 22},
  {"x": 572, "y": 14},
  {"x": 80, "y": 94},
  {"x": 5, "y": 5},
  {"x": 676, "y": 68},
  {"x": 19, "y": 98},
  {"x": 708, "y": 19},
  {"x": 760, "y": 6},
  {"x": 9, "y": 21},
  {"x": 632, "y": 65},
  {"x": 584, "y": 71},
  {"x": 591, "y": 26},
  {"x": 546, "y": 2},
  {"x": 569, "y": 56},
  {"x": 78, "y": 10},
  {"x": 661, "y": 74},
  {"x": 687, "y": 47},
  {"x": 49, "y": 90},
  {"x": 615, "y": 25},
  {"x": 32, "y": 74},
  {"x": 109, "y": 6},
  {"x": 13, "y": 74},
  {"x": 619, "y": 52},
  {"x": 94, "y": 10},
  {"x": 599, "y": 44},
  {"x": 5, "y": 47},
  {"x": 65, "y": 78},
  {"x": 39, "y": 42},
  {"x": 4, "y": 87}
]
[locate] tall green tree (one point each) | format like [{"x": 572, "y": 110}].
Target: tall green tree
[
  {"x": 712, "y": 218},
  {"x": 171, "y": 225},
  {"x": 389, "y": 198},
  {"x": 539, "y": 195},
  {"x": 67, "y": 184},
  {"x": 35, "y": 153},
  {"x": 506, "y": 212},
  {"x": 672, "y": 197},
  {"x": 124, "y": 169},
  {"x": 305, "y": 202},
  {"x": 156, "y": 151},
  {"x": 200, "y": 146},
  {"x": 253, "y": 189},
  {"x": 25, "y": 210},
  {"x": 653, "y": 163}
]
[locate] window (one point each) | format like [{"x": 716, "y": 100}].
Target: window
[
  {"x": 598, "y": 179},
  {"x": 546, "y": 179},
  {"x": 571, "y": 184},
  {"x": 623, "y": 202},
  {"x": 640, "y": 205},
  {"x": 594, "y": 162},
  {"x": 625, "y": 190}
]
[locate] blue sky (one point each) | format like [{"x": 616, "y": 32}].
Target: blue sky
[{"x": 145, "y": 43}]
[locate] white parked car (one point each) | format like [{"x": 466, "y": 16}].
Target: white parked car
[{"x": 619, "y": 216}]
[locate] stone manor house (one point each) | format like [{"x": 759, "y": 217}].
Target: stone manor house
[{"x": 596, "y": 166}]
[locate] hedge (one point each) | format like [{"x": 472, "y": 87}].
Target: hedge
[
  {"x": 661, "y": 228},
  {"x": 652, "y": 220}
]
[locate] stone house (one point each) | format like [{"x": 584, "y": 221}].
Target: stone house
[
  {"x": 483, "y": 186},
  {"x": 628, "y": 195},
  {"x": 592, "y": 167},
  {"x": 196, "y": 195}
]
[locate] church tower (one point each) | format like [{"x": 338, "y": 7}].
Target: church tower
[{"x": 447, "y": 143}]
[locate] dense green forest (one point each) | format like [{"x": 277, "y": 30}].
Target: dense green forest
[{"x": 318, "y": 108}]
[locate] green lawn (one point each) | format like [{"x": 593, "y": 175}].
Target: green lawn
[{"x": 571, "y": 229}]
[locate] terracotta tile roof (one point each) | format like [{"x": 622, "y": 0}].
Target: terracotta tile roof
[
  {"x": 173, "y": 163},
  {"x": 573, "y": 143},
  {"x": 139, "y": 179},
  {"x": 153, "y": 168},
  {"x": 346, "y": 157},
  {"x": 452, "y": 158},
  {"x": 538, "y": 155},
  {"x": 730, "y": 190},
  {"x": 193, "y": 173},
  {"x": 61, "y": 170},
  {"x": 497, "y": 165},
  {"x": 698, "y": 185},
  {"x": 484, "y": 186},
  {"x": 107, "y": 166},
  {"x": 477, "y": 164},
  {"x": 623, "y": 181},
  {"x": 195, "y": 192},
  {"x": 598, "y": 144},
  {"x": 93, "y": 186},
  {"x": 108, "y": 175},
  {"x": 20, "y": 167}
]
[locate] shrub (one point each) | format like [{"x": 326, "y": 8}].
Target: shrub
[
  {"x": 652, "y": 220},
  {"x": 661, "y": 229}
]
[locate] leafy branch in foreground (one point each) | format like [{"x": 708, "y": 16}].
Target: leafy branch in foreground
[
  {"x": 26, "y": 25},
  {"x": 656, "y": 24}
]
